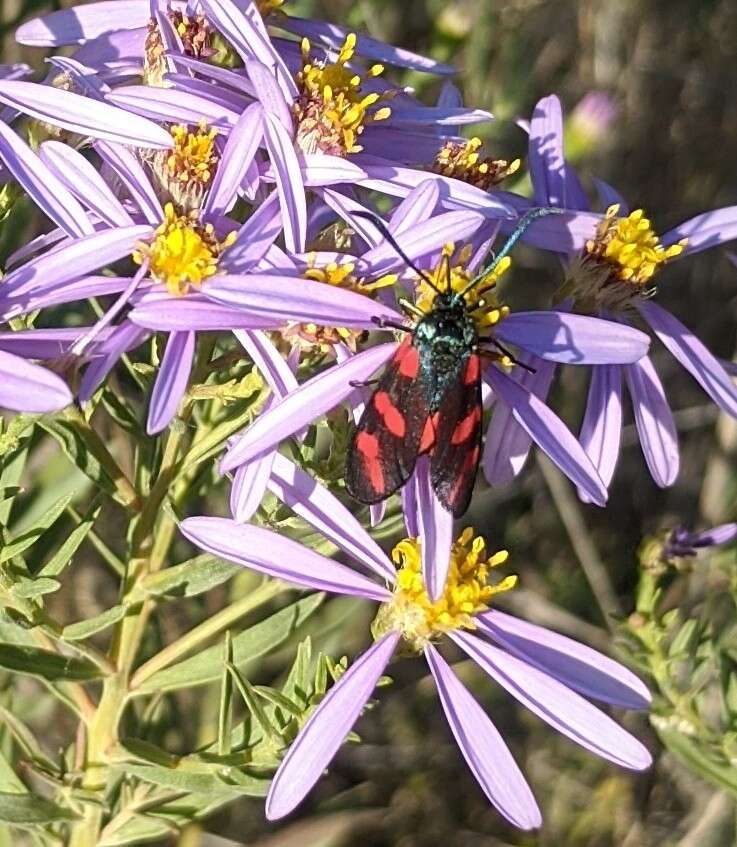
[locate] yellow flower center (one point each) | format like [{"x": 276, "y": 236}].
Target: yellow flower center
[
  {"x": 331, "y": 109},
  {"x": 618, "y": 264},
  {"x": 481, "y": 298},
  {"x": 184, "y": 173},
  {"x": 313, "y": 337},
  {"x": 461, "y": 160},
  {"x": 467, "y": 592},
  {"x": 182, "y": 253}
]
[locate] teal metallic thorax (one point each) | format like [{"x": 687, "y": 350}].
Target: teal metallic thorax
[{"x": 444, "y": 339}]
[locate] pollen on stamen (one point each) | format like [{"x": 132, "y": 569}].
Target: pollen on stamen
[
  {"x": 331, "y": 110},
  {"x": 618, "y": 264},
  {"x": 486, "y": 310},
  {"x": 182, "y": 253},
  {"x": 462, "y": 160},
  {"x": 467, "y": 591}
]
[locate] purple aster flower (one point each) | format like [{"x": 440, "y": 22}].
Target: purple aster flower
[
  {"x": 25, "y": 386},
  {"x": 181, "y": 249},
  {"x": 554, "y": 336},
  {"x": 545, "y": 671},
  {"x": 613, "y": 276},
  {"x": 684, "y": 543}
]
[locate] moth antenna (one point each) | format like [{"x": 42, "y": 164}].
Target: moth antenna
[
  {"x": 448, "y": 275},
  {"x": 384, "y": 230},
  {"x": 509, "y": 355},
  {"x": 525, "y": 221}
]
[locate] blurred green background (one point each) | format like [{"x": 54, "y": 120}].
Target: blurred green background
[{"x": 670, "y": 69}]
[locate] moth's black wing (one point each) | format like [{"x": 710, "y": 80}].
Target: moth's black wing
[
  {"x": 384, "y": 447},
  {"x": 455, "y": 456}
]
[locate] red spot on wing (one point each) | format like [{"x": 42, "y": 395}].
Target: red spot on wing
[
  {"x": 465, "y": 428},
  {"x": 410, "y": 364},
  {"x": 473, "y": 370},
  {"x": 392, "y": 417},
  {"x": 368, "y": 446},
  {"x": 467, "y": 470},
  {"x": 429, "y": 432}
]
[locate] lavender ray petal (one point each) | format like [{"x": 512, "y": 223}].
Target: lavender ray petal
[
  {"x": 410, "y": 510},
  {"x": 171, "y": 380},
  {"x": 272, "y": 365},
  {"x": 83, "y": 115},
  {"x": 602, "y": 424},
  {"x": 507, "y": 444},
  {"x": 312, "y": 399},
  {"x": 74, "y": 260},
  {"x": 573, "y": 339},
  {"x": 377, "y": 512},
  {"x": 435, "y": 525},
  {"x": 274, "y": 555},
  {"x": 238, "y": 154},
  {"x": 124, "y": 337},
  {"x": 424, "y": 239},
  {"x": 575, "y": 665},
  {"x": 26, "y": 387},
  {"x": 397, "y": 181},
  {"x": 319, "y": 740},
  {"x": 546, "y": 159},
  {"x": 706, "y": 230},
  {"x": 270, "y": 94},
  {"x": 254, "y": 238},
  {"x": 161, "y": 311},
  {"x": 44, "y": 187},
  {"x": 345, "y": 207},
  {"x": 654, "y": 421},
  {"x": 131, "y": 173},
  {"x": 39, "y": 244},
  {"x": 320, "y": 169},
  {"x": 416, "y": 207},
  {"x": 171, "y": 105},
  {"x": 438, "y": 115},
  {"x": 39, "y": 343},
  {"x": 41, "y": 298},
  {"x": 85, "y": 182},
  {"x": 333, "y": 36},
  {"x": 550, "y": 434},
  {"x": 288, "y": 183},
  {"x": 483, "y": 748},
  {"x": 315, "y": 504},
  {"x": 243, "y": 26},
  {"x": 565, "y": 233},
  {"x": 715, "y": 536},
  {"x": 693, "y": 355},
  {"x": 609, "y": 196},
  {"x": 227, "y": 77},
  {"x": 285, "y": 298},
  {"x": 556, "y": 704},
  {"x": 81, "y": 23},
  {"x": 249, "y": 487}
]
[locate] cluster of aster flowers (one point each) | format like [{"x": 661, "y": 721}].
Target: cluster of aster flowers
[{"x": 222, "y": 168}]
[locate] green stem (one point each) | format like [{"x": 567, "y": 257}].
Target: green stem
[
  {"x": 206, "y": 630},
  {"x": 150, "y": 542}
]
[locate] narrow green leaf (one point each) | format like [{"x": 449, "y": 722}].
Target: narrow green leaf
[
  {"x": 30, "y": 588},
  {"x": 698, "y": 758},
  {"x": 192, "y": 577},
  {"x": 296, "y": 687},
  {"x": 47, "y": 665},
  {"x": 225, "y": 711},
  {"x": 30, "y": 536},
  {"x": 10, "y": 782},
  {"x": 31, "y": 809},
  {"x": 247, "y": 646},
  {"x": 25, "y": 739},
  {"x": 278, "y": 699},
  {"x": 7, "y": 492},
  {"x": 83, "y": 629},
  {"x": 685, "y": 640},
  {"x": 252, "y": 703},
  {"x": 64, "y": 554}
]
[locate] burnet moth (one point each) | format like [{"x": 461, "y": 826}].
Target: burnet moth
[{"x": 428, "y": 399}]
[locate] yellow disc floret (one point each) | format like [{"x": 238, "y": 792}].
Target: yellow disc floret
[
  {"x": 182, "y": 253},
  {"x": 486, "y": 310},
  {"x": 462, "y": 160},
  {"x": 331, "y": 109},
  {"x": 618, "y": 264},
  {"x": 467, "y": 592}
]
